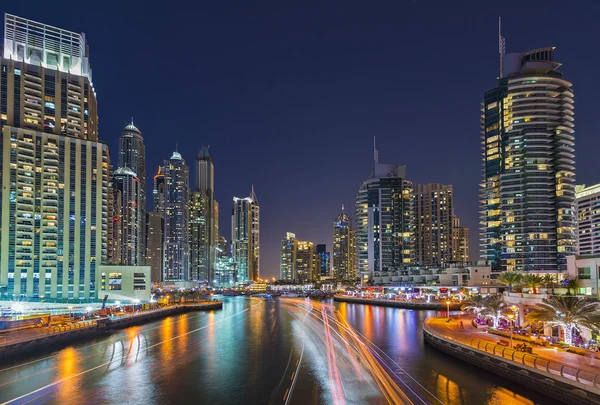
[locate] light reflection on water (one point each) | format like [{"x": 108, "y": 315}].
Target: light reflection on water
[{"x": 236, "y": 356}]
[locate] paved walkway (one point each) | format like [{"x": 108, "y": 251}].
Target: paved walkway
[
  {"x": 452, "y": 329},
  {"x": 15, "y": 336}
]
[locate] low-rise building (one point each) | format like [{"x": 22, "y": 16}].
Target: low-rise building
[{"x": 125, "y": 282}]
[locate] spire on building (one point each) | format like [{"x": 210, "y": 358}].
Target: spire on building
[
  {"x": 375, "y": 152},
  {"x": 253, "y": 195}
]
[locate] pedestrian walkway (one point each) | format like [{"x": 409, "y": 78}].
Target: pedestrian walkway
[
  {"x": 453, "y": 331},
  {"x": 22, "y": 335}
]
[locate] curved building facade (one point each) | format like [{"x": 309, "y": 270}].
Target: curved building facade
[{"x": 528, "y": 192}]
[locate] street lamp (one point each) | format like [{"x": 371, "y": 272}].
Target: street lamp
[
  {"x": 511, "y": 317},
  {"x": 448, "y": 311}
]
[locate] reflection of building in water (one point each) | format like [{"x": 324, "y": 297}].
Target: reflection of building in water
[{"x": 226, "y": 273}]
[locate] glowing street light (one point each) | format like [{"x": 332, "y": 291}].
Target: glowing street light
[
  {"x": 448, "y": 311},
  {"x": 88, "y": 309},
  {"x": 510, "y": 318}
]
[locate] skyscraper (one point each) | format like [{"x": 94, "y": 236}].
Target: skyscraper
[
  {"x": 288, "y": 257},
  {"x": 384, "y": 221},
  {"x": 460, "y": 242},
  {"x": 527, "y": 199},
  {"x": 306, "y": 261},
  {"x": 324, "y": 258},
  {"x": 54, "y": 171},
  {"x": 200, "y": 253},
  {"x": 155, "y": 226},
  {"x": 155, "y": 229},
  {"x": 245, "y": 233},
  {"x": 433, "y": 224},
  {"x": 204, "y": 231},
  {"x": 132, "y": 155},
  {"x": 129, "y": 250},
  {"x": 588, "y": 220},
  {"x": 176, "y": 214},
  {"x": 344, "y": 249}
]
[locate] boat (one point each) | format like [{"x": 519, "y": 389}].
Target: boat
[{"x": 288, "y": 294}]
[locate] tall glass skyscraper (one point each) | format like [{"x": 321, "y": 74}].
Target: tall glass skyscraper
[
  {"x": 245, "y": 233},
  {"x": 132, "y": 155},
  {"x": 204, "y": 222},
  {"x": 527, "y": 200},
  {"x": 344, "y": 249},
  {"x": 127, "y": 229},
  {"x": 53, "y": 169},
  {"x": 384, "y": 221},
  {"x": 176, "y": 214}
]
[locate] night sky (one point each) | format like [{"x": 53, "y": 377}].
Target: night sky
[{"x": 289, "y": 97}]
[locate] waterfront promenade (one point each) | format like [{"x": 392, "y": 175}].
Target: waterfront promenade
[
  {"x": 38, "y": 338},
  {"x": 556, "y": 372},
  {"x": 412, "y": 304}
]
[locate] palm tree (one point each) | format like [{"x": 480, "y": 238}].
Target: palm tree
[
  {"x": 569, "y": 313},
  {"x": 549, "y": 280},
  {"x": 493, "y": 307},
  {"x": 474, "y": 304},
  {"x": 510, "y": 278},
  {"x": 533, "y": 281},
  {"x": 573, "y": 284}
]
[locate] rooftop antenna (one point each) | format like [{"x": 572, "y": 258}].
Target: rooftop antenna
[
  {"x": 176, "y": 147},
  {"x": 131, "y": 120},
  {"x": 375, "y": 152},
  {"x": 342, "y": 207},
  {"x": 501, "y": 47}
]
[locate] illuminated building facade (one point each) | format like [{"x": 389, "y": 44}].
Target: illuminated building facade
[
  {"x": 288, "y": 257},
  {"x": 527, "y": 200},
  {"x": 200, "y": 245},
  {"x": 588, "y": 220},
  {"x": 155, "y": 228},
  {"x": 344, "y": 249},
  {"x": 306, "y": 266},
  {"x": 460, "y": 241},
  {"x": 54, "y": 171},
  {"x": 433, "y": 224},
  {"x": 176, "y": 215},
  {"x": 132, "y": 155},
  {"x": 245, "y": 233},
  {"x": 324, "y": 261},
  {"x": 384, "y": 222},
  {"x": 204, "y": 220},
  {"x": 128, "y": 243}
]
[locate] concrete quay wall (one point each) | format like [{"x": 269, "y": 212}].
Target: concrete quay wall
[
  {"x": 563, "y": 389},
  {"x": 56, "y": 340}
]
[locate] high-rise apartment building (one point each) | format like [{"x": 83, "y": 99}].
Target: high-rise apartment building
[
  {"x": 433, "y": 224},
  {"x": 287, "y": 267},
  {"x": 176, "y": 214},
  {"x": 128, "y": 248},
  {"x": 460, "y": 242},
  {"x": 344, "y": 249},
  {"x": 324, "y": 259},
  {"x": 132, "y": 155},
  {"x": 53, "y": 169},
  {"x": 588, "y": 219},
  {"x": 245, "y": 234},
  {"x": 158, "y": 193},
  {"x": 306, "y": 261},
  {"x": 204, "y": 231},
  {"x": 384, "y": 221},
  {"x": 527, "y": 199},
  {"x": 155, "y": 227},
  {"x": 200, "y": 245}
]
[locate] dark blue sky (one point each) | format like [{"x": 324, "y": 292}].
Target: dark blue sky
[{"x": 290, "y": 94}]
